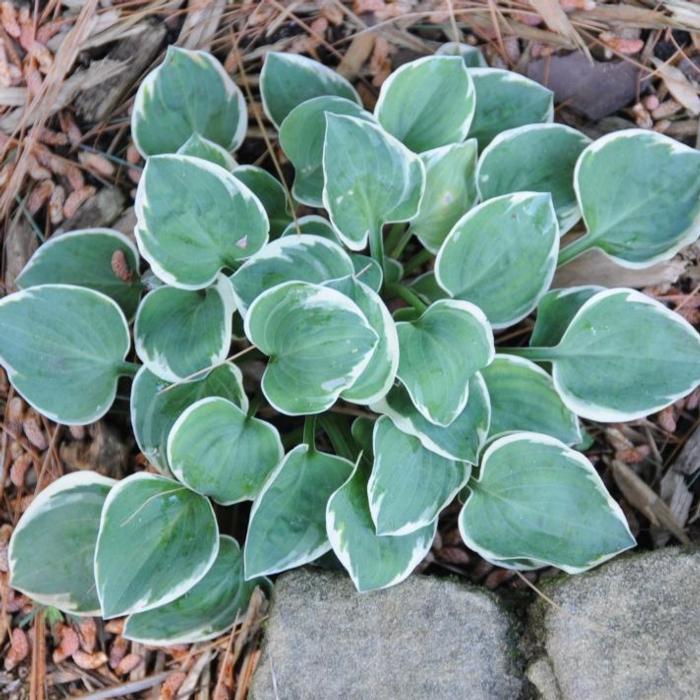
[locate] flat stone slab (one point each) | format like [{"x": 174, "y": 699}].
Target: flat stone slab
[
  {"x": 630, "y": 629},
  {"x": 427, "y": 638}
]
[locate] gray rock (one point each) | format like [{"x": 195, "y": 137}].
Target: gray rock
[
  {"x": 627, "y": 630},
  {"x": 593, "y": 88},
  {"x": 427, "y": 638}
]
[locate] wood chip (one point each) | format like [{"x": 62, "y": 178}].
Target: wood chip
[
  {"x": 646, "y": 501},
  {"x": 679, "y": 86},
  {"x": 69, "y": 644},
  {"x": 19, "y": 649},
  {"x": 89, "y": 662},
  {"x": 33, "y": 430}
]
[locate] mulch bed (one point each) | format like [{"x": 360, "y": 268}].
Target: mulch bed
[{"x": 67, "y": 79}]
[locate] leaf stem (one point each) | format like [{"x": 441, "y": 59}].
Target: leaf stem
[
  {"x": 408, "y": 296},
  {"x": 339, "y": 434},
  {"x": 573, "y": 250},
  {"x": 417, "y": 260},
  {"x": 376, "y": 247},
  {"x": 310, "y": 432},
  {"x": 395, "y": 233},
  {"x": 397, "y": 249},
  {"x": 128, "y": 369},
  {"x": 536, "y": 354}
]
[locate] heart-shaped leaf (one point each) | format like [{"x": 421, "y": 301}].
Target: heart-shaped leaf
[
  {"x": 271, "y": 193},
  {"x": 63, "y": 349},
  {"x": 207, "y": 610},
  {"x": 199, "y": 147},
  {"x": 504, "y": 100},
  {"x": 408, "y": 97},
  {"x": 450, "y": 191},
  {"x": 501, "y": 256},
  {"x": 52, "y": 548},
  {"x": 461, "y": 440},
  {"x": 190, "y": 92},
  {"x": 157, "y": 539},
  {"x": 555, "y": 311},
  {"x": 370, "y": 179},
  {"x": 372, "y": 561},
  {"x": 301, "y": 137},
  {"x": 217, "y": 450},
  {"x": 287, "y": 525},
  {"x": 156, "y": 405},
  {"x": 380, "y": 373},
  {"x": 179, "y": 332},
  {"x": 523, "y": 398},
  {"x": 471, "y": 55},
  {"x": 98, "y": 258},
  {"x": 535, "y": 498},
  {"x": 625, "y": 356},
  {"x": 634, "y": 211},
  {"x": 535, "y": 158},
  {"x": 318, "y": 341},
  {"x": 439, "y": 353},
  {"x": 287, "y": 80},
  {"x": 293, "y": 258},
  {"x": 195, "y": 218},
  {"x": 367, "y": 269},
  {"x": 409, "y": 485}
]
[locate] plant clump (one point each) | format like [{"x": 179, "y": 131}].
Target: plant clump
[{"x": 419, "y": 404}]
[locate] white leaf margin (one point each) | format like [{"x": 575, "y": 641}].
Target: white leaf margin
[
  {"x": 144, "y": 603},
  {"x": 157, "y": 363},
  {"x": 583, "y": 463},
  {"x": 36, "y": 508}
]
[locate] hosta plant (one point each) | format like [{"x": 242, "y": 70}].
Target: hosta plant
[{"x": 328, "y": 348}]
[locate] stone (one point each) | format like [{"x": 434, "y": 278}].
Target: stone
[
  {"x": 595, "y": 89},
  {"x": 425, "y": 638},
  {"x": 627, "y": 630}
]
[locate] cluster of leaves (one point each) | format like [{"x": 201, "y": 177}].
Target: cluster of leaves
[{"x": 445, "y": 414}]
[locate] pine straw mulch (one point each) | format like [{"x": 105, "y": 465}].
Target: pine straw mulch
[{"x": 67, "y": 78}]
